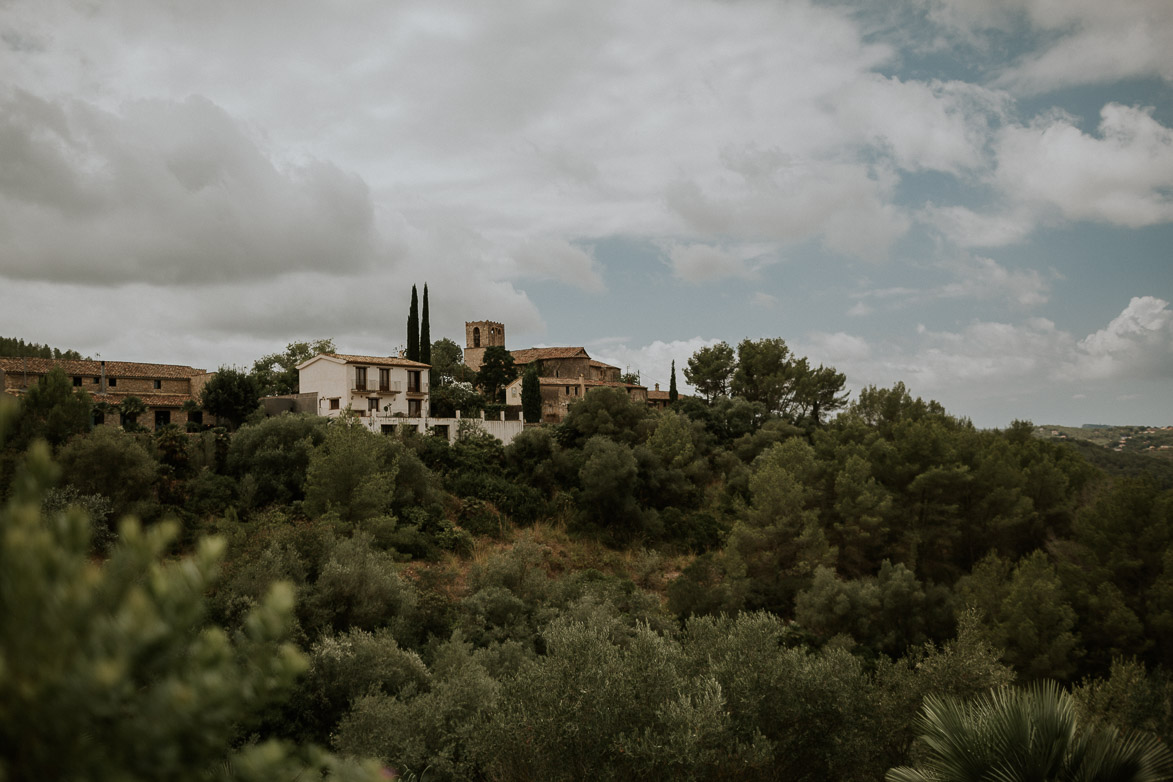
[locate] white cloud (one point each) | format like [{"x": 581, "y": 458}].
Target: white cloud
[
  {"x": 704, "y": 263},
  {"x": 967, "y": 228},
  {"x": 1086, "y": 41},
  {"x": 1123, "y": 177},
  {"x": 975, "y": 278},
  {"x": 1137, "y": 343},
  {"x": 763, "y": 299},
  {"x": 653, "y": 361},
  {"x": 987, "y": 360},
  {"x": 558, "y": 259}
]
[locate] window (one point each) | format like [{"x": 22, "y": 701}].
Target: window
[
  {"x": 360, "y": 378},
  {"x": 77, "y": 380},
  {"x": 414, "y": 408},
  {"x": 158, "y": 384},
  {"x": 97, "y": 380},
  {"x": 373, "y": 403},
  {"x": 335, "y": 403},
  {"x": 99, "y": 418},
  {"x": 112, "y": 381},
  {"x": 388, "y": 428},
  {"x": 413, "y": 381},
  {"x": 384, "y": 379},
  {"x": 162, "y": 417},
  {"x": 476, "y": 337},
  {"x": 568, "y": 390},
  {"x": 196, "y": 417}
]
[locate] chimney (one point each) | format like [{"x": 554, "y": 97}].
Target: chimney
[
  {"x": 657, "y": 386},
  {"x": 102, "y": 387}
]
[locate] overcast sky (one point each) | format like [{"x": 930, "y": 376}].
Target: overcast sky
[{"x": 972, "y": 196}]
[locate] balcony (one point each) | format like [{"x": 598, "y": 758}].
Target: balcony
[{"x": 394, "y": 387}]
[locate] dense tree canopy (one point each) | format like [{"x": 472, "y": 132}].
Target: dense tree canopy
[
  {"x": 496, "y": 372},
  {"x": 231, "y": 394},
  {"x": 277, "y": 374}
]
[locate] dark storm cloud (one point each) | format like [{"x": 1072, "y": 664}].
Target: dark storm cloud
[{"x": 165, "y": 191}]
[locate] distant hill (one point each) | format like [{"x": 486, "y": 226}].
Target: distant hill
[
  {"x": 1120, "y": 450},
  {"x": 11, "y": 346}
]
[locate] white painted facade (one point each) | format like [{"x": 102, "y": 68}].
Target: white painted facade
[
  {"x": 393, "y": 402},
  {"x": 367, "y": 386}
]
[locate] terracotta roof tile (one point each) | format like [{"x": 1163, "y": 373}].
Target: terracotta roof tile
[
  {"x": 654, "y": 394},
  {"x": 386, "y": 361},
  {"x": 530, "y": 355},
  {"x": 41, "y": 366}
]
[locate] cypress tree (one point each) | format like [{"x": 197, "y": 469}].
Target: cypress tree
[
  {"x": 413, "y": 328},
  {"x": 425, "y": 332},
  {"x": 673, "y": 395},
  {"x": 531, "y": 396}
]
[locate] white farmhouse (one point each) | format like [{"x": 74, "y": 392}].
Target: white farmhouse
[
  {"x": 367, "y": 386},
  {"x": 388, "y": 394}
]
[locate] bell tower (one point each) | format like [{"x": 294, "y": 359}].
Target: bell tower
[{"x": 478, "y": 335}]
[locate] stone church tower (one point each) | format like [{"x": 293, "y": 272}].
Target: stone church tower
[{"x": 478, "y": 335}]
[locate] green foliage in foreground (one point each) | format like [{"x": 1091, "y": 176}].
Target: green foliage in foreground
[
  {"x": 1028, "y": 734},
  {"x": 111, "y": 670}
]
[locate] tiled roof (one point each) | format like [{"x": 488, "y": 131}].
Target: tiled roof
[
  {"x": 566, "y": 381},
  {"x": 654, "y": 394},
  {"x": 529, "y": 355},
  {"x": 596, "y": 363},
  {"x": 385, "y": 361},
  {"x": 150, "y": 400},
  {"x": 41, "y": 366}
]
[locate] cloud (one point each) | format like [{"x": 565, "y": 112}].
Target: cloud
[
  {"x": 1138, "y": 343},
  {"x": 558, "y": 259},
  {"x": 974, "y": 278},
  {"x": 987, "y": 359},
  {"x": 166, "y": 192},
  {"x": 653, "y": 361},
  {"x": 704, "y": 263},
  {"x": 847, "y": 206},
  {"x": 1122, "y": 177},
  {"x": 967, "y": 228},
  {"x": 1084, "y": 41}
]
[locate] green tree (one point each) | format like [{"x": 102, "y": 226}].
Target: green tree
[
  {"x": 766, "y": 373},
  {"x": 276, "y": 374},
  {"x": 673, "y": 394},
  {"x": 52, "y": 410},
  {"x": 496, "y": 372},
  {"x": 413, "y": 327},
  {"x": 111, "y": 670},
  {"x": 710, "y": 369},
  {"x": 111, "y": 463},
  {"x": 231, "y": 394},
  {"x": 351, "y": 472},
  {"x": 273, "y": 456},
  {"x": 531, "y": 396},
  {"x": 1032, "y": 733},
  {"x": 448, "y": 364},
  {"x": 425, "y": 332}
]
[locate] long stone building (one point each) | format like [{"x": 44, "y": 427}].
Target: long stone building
[{"x": 165, "y": 389}]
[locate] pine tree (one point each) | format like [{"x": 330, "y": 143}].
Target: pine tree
[
  {"x": 673, "y": 394},
  {"x": 413, "y": 327}
]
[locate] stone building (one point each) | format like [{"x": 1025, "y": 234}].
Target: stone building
[
  {"x": 565, "y": 373},
  {"x": 478, "y": 335},
  {"x": 164, "y": 388}
]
